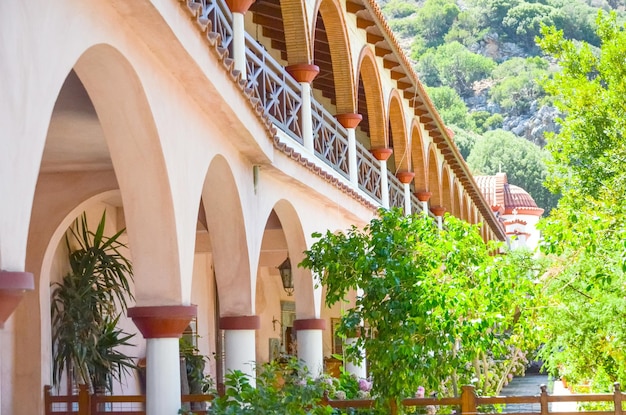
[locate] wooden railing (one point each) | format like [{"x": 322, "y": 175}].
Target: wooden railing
[
  {"x": 87, "y": 404},
  {"x": 470, "y": 403},
  {"x": 467, "y": 403}
]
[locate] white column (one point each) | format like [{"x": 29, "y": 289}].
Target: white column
[
  {"x": 162, "y": 326},
  {"x": 382, "y": 155},
  {"x": 305, "y": 73},
  {"x": 240, "y": 352},
  {"x": 357, "y": 369},
  {"x": 423, "y": 196},
  {"x": 350, "y": 122},
  {"x": 352, "y": 164},
  {"x": 307, "y": 117},
  {"x": 239, "y": 44},
  {"x": 406, "y": 177},
  {"x": 384, "y": 184},
  {"x": 311, "y": 343},
  {"x": 162, "y": 376},
  {"x": 438, "y": 211},
  {"x": 240, "y": 344},
  {"x": 310, "y": 350},
  {"x": 407, "y": 199}
]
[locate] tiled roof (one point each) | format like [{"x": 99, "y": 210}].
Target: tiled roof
[{"x": 500, "y": 193}]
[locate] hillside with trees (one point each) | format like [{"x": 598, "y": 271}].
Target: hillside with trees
[{"x": 485, "y": 73}]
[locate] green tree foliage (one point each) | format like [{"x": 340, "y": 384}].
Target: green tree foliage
[
  {"x": 435, "y": 304},
  {"x": 464, "y": 140},
  {"x": 578, "y": 21},
  {"x": 518, "y": 83},
  {"x": 455, "y": 66},
  {"x": 494, "y": 12},
  {"x": 466, "y": 29},
  {"x": 494, "y": 122},
  {"x": 434, "y": 20},
  {"x": 521, "y": 160},
  {"x": 398, "y": 9},
  {"x": 451, "y": 107},
  {"x": 523, "y": 22},
  {"x": 584, "y": 325}
]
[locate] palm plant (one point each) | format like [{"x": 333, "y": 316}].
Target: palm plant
[{"x": 86, "y": 306}]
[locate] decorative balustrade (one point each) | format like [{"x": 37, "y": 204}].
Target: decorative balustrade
[
  {"x": 280, "y": 96},
  {"x": 219, "y": 19},
  {"x": 368, "y": 169},
  {"x": 396, "y": 191},
  {"x": 278, "y": 92},
  {"x": 416, "y": 205},
  {"x": 330, "y": 139}
]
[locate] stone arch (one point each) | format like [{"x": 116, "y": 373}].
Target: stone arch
[
  {"x": 296, "y": 245},
  {"x": 234, "y": 269},
  {"x": 373, "y": 115},
  {"x": 418, "y": 159},
  {"x": 92, "y": 166},
  {"x": 116, "y": 91},
  {"x": 401, "y": 160},
  {"x": 330, "y": 18},
  {"x": 433, "y": 176}
]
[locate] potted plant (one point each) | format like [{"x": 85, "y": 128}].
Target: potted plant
[{"x": 86, "y": 306}]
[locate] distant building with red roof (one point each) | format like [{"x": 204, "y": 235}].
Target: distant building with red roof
[{"x": 515, "y": 208}]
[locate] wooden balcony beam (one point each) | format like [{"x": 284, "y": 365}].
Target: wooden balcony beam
[
  {"x": 362, "y": 23},
  {"x": 352, "y": 7},
  {"x": 374, "y": 38},
  {"x": 390, "y": 64}
]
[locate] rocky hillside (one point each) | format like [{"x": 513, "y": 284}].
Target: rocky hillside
[
  {"x": 483, "y": 69},
  {"x": 485, "y": 35}
]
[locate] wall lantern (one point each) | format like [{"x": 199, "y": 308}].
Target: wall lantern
[{"x": 286, "y": 276}]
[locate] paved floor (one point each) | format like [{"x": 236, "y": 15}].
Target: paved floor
[{"x": 530, "y": 385}]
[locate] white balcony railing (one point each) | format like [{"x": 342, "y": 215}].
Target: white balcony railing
[{"x": 280, "y": 95}]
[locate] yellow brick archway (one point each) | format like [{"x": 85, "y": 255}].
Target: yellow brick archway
[
  {"x": 418, "y": 159},
  {"x": 398, "y": 135},
  {"x": 331, "y": 13},
  {"x": 369, "y": 76}
]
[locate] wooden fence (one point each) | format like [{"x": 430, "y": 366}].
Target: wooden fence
[
  {"x": 468, "y": 403},
  {"x": 87, "y": 404}
]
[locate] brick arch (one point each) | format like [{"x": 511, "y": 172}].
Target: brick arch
[
  {"x": 446, "y": 190},
  {"x": 433, "y": 176},
  {"x": 368, "y": 74},
  {"x": 398, "y": 135},
  {"x": 298, "y": 40},
  {"x": 468, "y": 209},
  {"x": 116, "y": 91},
  {"x": 345, "y": 89},
  {"x": 456, "y": 200},
  {"x": 418, "y": 158}
]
